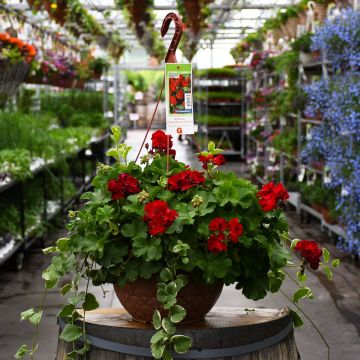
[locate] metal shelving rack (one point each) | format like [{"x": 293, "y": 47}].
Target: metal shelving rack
[{"x": 233, "y": 135}]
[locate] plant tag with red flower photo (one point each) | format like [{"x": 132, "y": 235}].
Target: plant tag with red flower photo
[{"x": 179, "y": 100}]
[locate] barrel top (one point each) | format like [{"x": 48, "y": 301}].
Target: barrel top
[{"x": 219, "y": 317}]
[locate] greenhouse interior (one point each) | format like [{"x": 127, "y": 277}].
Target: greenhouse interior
[{"x": 179, "y": 179}]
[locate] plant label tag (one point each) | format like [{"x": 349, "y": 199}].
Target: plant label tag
[
  {"x": 272, "y": 155},
  {"x": 179, "y": 99},
  {"x": 302, "y": 173}
]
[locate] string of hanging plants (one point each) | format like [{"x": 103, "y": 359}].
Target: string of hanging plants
[{"x": 177, "y": 233}]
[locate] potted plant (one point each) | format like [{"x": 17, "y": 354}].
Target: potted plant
[
  {"x": 173, "y": 234},
  {"x": 16, "y": 57},
  {"x": 303, "y": 45},
  {"x": 98, "y": 66}
]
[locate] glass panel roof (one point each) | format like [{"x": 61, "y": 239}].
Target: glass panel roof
[{"x": 229, "y": 20}]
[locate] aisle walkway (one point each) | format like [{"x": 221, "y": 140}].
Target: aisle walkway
[{"x": 336, "y": 310}]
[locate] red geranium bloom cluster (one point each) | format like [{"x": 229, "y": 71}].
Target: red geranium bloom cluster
[
  {"x": 29, "y": 51},
  {"x": 185, "y": 180},
  {"x": 177, "y": 88},
  {"x": 161, "y": 142},
  {"x": 270, "y": 194},
  {"x": 158, "y": 216},
  {"x": 310, "y": 251},
  {"x": 211, "y": 159},
  {"x": 124, "y": 186},
  {"x": 223, "y": 231}
]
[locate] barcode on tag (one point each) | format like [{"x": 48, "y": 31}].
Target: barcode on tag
[{"x": 188, "y": 101}]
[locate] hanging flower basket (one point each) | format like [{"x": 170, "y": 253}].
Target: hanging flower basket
[
  {"x": 12, "y": 75},
  {"x": 34, "y": 5},
  {"x": 291, "y": 27},
  {"x": 320, "y": 10},
  {"x": 56, "y": 11}
]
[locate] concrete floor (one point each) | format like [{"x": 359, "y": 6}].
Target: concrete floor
[{"x": 336, "y": 309}]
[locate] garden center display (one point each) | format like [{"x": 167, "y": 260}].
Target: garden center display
[{"x": 179, "y": 179}]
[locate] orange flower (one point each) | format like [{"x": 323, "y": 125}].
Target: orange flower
[{"x": 4, "y": 37}]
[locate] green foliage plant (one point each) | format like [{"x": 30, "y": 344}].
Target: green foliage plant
[{"x": 110, "y": 240}]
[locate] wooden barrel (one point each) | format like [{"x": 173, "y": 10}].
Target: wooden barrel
[{"x": 226, "y": 333}]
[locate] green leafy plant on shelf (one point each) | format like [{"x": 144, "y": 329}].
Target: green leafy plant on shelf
[
  {"x": 217, "y": 120},
  {"x": 302, "y": 43},
  {"x": 170, "y": 224},
  {"x": 15, "y": 164},
  {"x": 286, "y": 141},
  {"x": 216, "y": 73}
]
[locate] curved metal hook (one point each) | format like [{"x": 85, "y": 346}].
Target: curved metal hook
[{"x": 170, "y": 55}]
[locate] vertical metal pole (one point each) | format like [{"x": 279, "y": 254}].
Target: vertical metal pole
[{"x": 105, "y": 94}]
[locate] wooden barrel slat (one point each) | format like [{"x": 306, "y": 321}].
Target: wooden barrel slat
[{"x": 223, "y": 330}]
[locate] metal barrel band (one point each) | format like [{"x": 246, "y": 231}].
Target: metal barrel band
[{"x": 194, "y": 353}]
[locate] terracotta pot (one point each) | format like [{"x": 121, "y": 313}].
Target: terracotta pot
[
  {"x": 139, "y": 298},
  {"x": 317, "y": 207},
  {"x": 325, "y": 212}
]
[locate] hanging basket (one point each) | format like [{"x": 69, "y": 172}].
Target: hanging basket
[
  {"x": 320, "y": 10},
  {"x": 291, "y": 27},
  {"x": 12, "y": 75},
  {"x": 34, "y": 5},
  {"x": 59, "y": 13},
  {"x": 276, "y": 35},
  {"x": 285, "y": 32}
]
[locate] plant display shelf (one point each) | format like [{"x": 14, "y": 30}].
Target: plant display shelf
[
  {"x": 230, "y": 137},
  {"x": 19, "y": 244}
]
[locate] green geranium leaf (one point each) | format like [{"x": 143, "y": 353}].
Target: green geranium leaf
[
  {"x": 181, "y": 343},
  {"x": 296, "y": 319},
  {"x": 135, "y": 230},
  {"x": 166, "y": 275},
  {"x": 49, "y": 250},
  {"x": 104, "y": 214},
  {"x": 302, "y": 293},
  {"x": 63, "y": 244},
  {"x": 168, "y": 326},
  {"x": 71, "y": 333},
  {"x": 90, "y": 302},
  {"x": 335, "y": 263},
  {"x": 156, "y": 319},
  {"x": 22, "y": 351},
  {"x": 149, "y": 249},
  {"x": 177, "y": 313},
  {"x": 328, "y": 272},
  {"x": 301, "y": 277},
  {"x": 326, "y": 254},
  {"x": 227, "y": 193}
]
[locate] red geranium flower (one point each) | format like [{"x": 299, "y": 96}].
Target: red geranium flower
[
  {"x": 217, "y": 243},
  {"x": 185, "y": 180},
  {"x": 186, "y": 82},
  {"x": 218, "y": 224},
  {"x": 235, "y": 230},
  {"x": 310, "y": 251},
  {"x": 124, "y": 186},
  {"x": 224, "y": 231},
  {"x": 270, "y": 194},
  {"x": 158, "y": 216},
  {"x": 160, "y": 142},
  {"x": 217, "y": 160},
  {"x": 180, "y": 94}
]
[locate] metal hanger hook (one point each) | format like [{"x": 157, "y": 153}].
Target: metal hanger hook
[{"x": 179, "y": 27}]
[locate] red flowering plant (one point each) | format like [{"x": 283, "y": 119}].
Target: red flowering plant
[
  {"x": 166, "y": 220},
  {"x": 178, "y": 88}
]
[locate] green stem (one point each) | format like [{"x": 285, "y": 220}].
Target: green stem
[
  {"x": 34, "y": 344},
  {"x": 311, "y": 322},
  {"x": 86, "y": 291}
]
